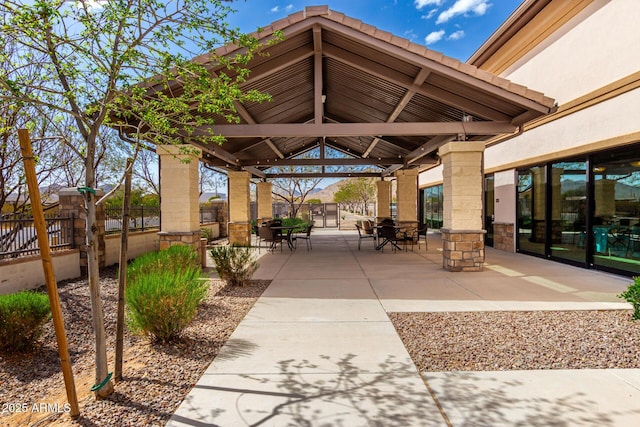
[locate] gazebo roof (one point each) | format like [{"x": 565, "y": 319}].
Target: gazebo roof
[{"x": 386, "y": 102}]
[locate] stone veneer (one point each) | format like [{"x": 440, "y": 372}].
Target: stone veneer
[
  {"x": 462, "y": 250},
  {"x": 172, "y": 238},
  {"x": 240, "y": 233},
  {"x": 72, "y": 204},
  {"x": 503, "y": 236}
]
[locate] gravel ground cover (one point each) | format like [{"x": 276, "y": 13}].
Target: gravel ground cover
[
  {"x": 496, "y": 341},
  {"x": 156, "y": 378}
]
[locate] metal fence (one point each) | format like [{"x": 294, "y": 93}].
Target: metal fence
[
  {"x": 141, "y": 218},
  {"x": 18, "y": 235},
  {"x": 208, "y": 214}
]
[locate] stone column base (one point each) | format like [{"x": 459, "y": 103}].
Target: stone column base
[
  {"x": 172, "y": 238},
  {"x": 503, "y": 236},
  {"x": 240, "y": 233},
  {"x": 462, "y": 250}
]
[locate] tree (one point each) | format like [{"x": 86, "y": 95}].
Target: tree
[
  {"x": 356, "y": 191},
  {"x": 90, "y": 57},
  {"x": 293, "y": 191}
]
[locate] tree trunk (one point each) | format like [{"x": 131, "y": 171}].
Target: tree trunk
[{"x": 93, "y": 267}]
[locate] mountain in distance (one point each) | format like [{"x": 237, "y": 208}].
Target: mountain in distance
[{"x": 325, "y": 194}]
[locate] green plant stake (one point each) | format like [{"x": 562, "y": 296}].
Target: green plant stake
[{"x": 632, "y": 296}]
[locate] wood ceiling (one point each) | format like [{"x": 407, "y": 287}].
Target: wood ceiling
[{"x": 382, "y": 101}]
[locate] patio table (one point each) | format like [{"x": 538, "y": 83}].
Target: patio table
[{"x": 289, "y": 230}]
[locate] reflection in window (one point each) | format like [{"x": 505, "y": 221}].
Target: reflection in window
[
  {"x": 531, "y": 210},
  {"x": 433, "y": 201},
  {"x": 617, "y": 210}
]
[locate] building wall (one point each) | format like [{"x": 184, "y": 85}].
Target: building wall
[
  {"x": 138, "y": 243},
  {"x": 600, "y": 126},
  {"x": 27, "y": 273},
  {"x": 592, "y": 50}
]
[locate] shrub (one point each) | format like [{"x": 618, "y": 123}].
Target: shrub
[
  {"x": 234, "y": 264},
  {"x": 207, "y": 233},
  {"x": 632, "y": 296},
  {"x": 175, "y": 258},
  {"x": 163, "y": 292},
  {"x": 22, "y": 318}
]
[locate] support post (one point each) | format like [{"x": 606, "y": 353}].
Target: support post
[
  {"x": 47, "y": 265},
  {"x": 180, "y": 193},
  {"x": 462, "y": 233},
  {"x": 239, "y": 208},
  {"x": 383, "y": 199}
]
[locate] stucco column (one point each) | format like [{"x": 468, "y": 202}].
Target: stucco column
[
  {"x": 265, "y": 200},
  {"x": 383, "y": 198},
  {"x": 407, "y": 195},
  {"x": 239, "y": 208},
  {"x": 179, "y": 194},
  {"x": 462, "y": 233}
]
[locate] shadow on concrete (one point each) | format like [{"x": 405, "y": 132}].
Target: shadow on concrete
[
  {"x": 469, "y": 400},
  {"x": 301, "y": 394}
]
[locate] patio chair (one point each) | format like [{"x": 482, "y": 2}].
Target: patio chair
[
  {"x": 367, "y": 226},
  {"x": 364, "y": 235},
  {"x": 271, "y": 237},
  {"x": 421, "y": 232},
  {"x": 306, "y": 236},
  {"x": 389, "y": 234}
]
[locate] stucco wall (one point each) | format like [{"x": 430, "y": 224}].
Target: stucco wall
[
  {"x": 597, "y": 47},
  {"x": 571, "y": 134},
  {"x": 139, "y": 243},
  {"x": 27, "y": 273}
]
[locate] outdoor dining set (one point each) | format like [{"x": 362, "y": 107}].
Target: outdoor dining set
[
  {"x": 274, "y": 233},
  {"x": 387, "y": 232}
]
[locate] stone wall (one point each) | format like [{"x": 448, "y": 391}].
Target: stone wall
[
  {"x": 504, "y": 237},
  {"x": 462, "y": 250}
]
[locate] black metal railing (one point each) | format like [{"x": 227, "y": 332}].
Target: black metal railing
[
  {"x": 141, "y": 218},
  {"x": 18, "y": 235},
  {"x": 208, "y": 214}
]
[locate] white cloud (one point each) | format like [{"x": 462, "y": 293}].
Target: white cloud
[
  {"x": 422, "y": 3},
  {"x": 288, "y": 8},
  {"x": 430, "y": 14},
  {"x": 274, "y": 9},
  {"x": 410, "y": 35},
  {"x": 462, "y": 7},
  {"x": 456, "y": 35},
  {"x": 434, "y": 37}
]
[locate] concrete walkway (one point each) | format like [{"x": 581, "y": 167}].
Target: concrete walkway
[{"x": 318, "y": 349}]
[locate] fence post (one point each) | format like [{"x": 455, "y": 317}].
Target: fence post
[{"x": 72, "y": 205}]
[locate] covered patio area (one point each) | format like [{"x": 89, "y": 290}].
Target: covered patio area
[
  {"x": 318, "y": 348},
  {"x": 349, "y": 100}
]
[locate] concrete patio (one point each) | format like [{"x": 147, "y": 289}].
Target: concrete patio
[{"x": 318, "y": 348}]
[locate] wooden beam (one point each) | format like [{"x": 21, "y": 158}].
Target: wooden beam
[
  {"x": 255, "y": 171},
  {"x": 428, "y": 147},
  {"x": 357, "y": 129},
  {"x": 324, "y": 175},
  {"x": 323, "y": 162},
  {"x": 318, "y": 106}
]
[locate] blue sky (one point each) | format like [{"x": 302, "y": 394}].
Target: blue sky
[{"x": 454, "y": 27}]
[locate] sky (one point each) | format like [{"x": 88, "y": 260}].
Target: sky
[{"x": 454, "y": 27}]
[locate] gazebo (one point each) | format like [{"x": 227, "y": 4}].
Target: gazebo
[{"x": 398, "y": 107}]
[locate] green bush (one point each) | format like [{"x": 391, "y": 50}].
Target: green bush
[
  {"x": 632, "y": 296},
  {"x": 163, "y": 292},
  {"x": 234, "y": 264},
  {"x": 207, "y": 233},
  {"x": 22, "y": 318},
  {"x": 175, "y": 258}
]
